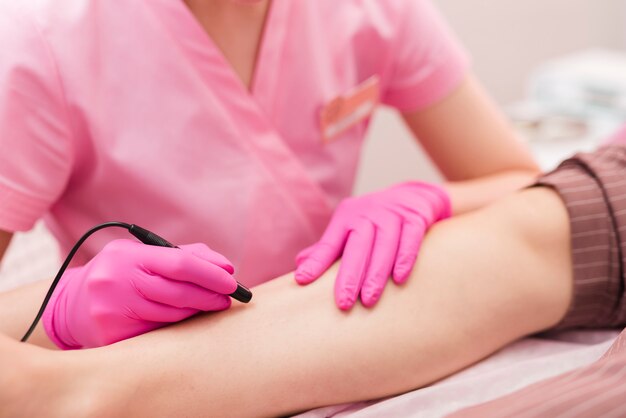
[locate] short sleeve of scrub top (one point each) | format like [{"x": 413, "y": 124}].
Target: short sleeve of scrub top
[
  {"x": 427, "y": 61},
  {"x": 33, "y": 125}
]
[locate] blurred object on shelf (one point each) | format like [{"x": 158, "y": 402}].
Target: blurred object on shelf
[
  {"x": 573, "y": 103},
  {"x": 591, "y": 83}
]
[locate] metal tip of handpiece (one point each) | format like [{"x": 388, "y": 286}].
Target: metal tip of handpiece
[{"x": 242, "y": 294}]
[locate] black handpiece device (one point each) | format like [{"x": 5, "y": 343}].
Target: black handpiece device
[{"x": 242, "y": 294}]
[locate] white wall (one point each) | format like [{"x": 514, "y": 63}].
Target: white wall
[{"x": 507, "y": 39}]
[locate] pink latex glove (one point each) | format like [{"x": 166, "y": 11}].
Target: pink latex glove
[
  {"x": 379, "y": 235},
  {"x": 130, "y": 288}
]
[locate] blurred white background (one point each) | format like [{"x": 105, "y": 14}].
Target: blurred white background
[{"x": 507, "y": 39}]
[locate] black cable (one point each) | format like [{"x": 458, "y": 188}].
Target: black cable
[{"x": 66, "y": 263}]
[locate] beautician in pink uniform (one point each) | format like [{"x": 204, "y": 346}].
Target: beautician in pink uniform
[{"x": 236, "y": 124}]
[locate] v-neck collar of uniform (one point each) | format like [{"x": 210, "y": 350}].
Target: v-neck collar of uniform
[{"x": 202, "y": 49}]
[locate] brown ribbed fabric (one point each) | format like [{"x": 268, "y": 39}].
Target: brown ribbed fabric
[{"x": 593, "y": 187}]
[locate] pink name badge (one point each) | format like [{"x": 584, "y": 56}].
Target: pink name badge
[{"x": 347, "y": 110}]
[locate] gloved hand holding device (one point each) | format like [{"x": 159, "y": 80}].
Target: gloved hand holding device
[
  {"x": 379, "y": 235},
  {"x": 130, "y": 288}
]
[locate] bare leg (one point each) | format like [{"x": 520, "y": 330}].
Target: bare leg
[
  {"x": 18, "y": 308},
  {"x": 482, "y": 281}
]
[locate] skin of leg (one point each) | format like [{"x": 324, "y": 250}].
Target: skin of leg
[
  {"x": 18, "y": 308},
  {"x": 481, "y": 281}
]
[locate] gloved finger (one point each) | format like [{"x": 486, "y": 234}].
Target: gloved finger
[
  {"x": 304, "y": 253},
  {"x": 410, "y": 242},
  {"x": 323, "y": 254},
  {"x": 207, "y": 254},
  {"x": 180, "y": 265},
  {"x": 180, "y": 294},
  {"x": 356, "y": 258},
  {"x": 156, "y": 312},
  {"x": 382, "y": 259}
]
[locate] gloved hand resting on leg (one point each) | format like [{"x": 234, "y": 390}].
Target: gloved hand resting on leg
[{"x": 379, "y": 235}]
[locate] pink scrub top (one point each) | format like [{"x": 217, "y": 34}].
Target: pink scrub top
[{"x": 126, "y": 110}]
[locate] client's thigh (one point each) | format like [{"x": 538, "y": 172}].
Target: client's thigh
[{"x": 481, "y": 281}]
